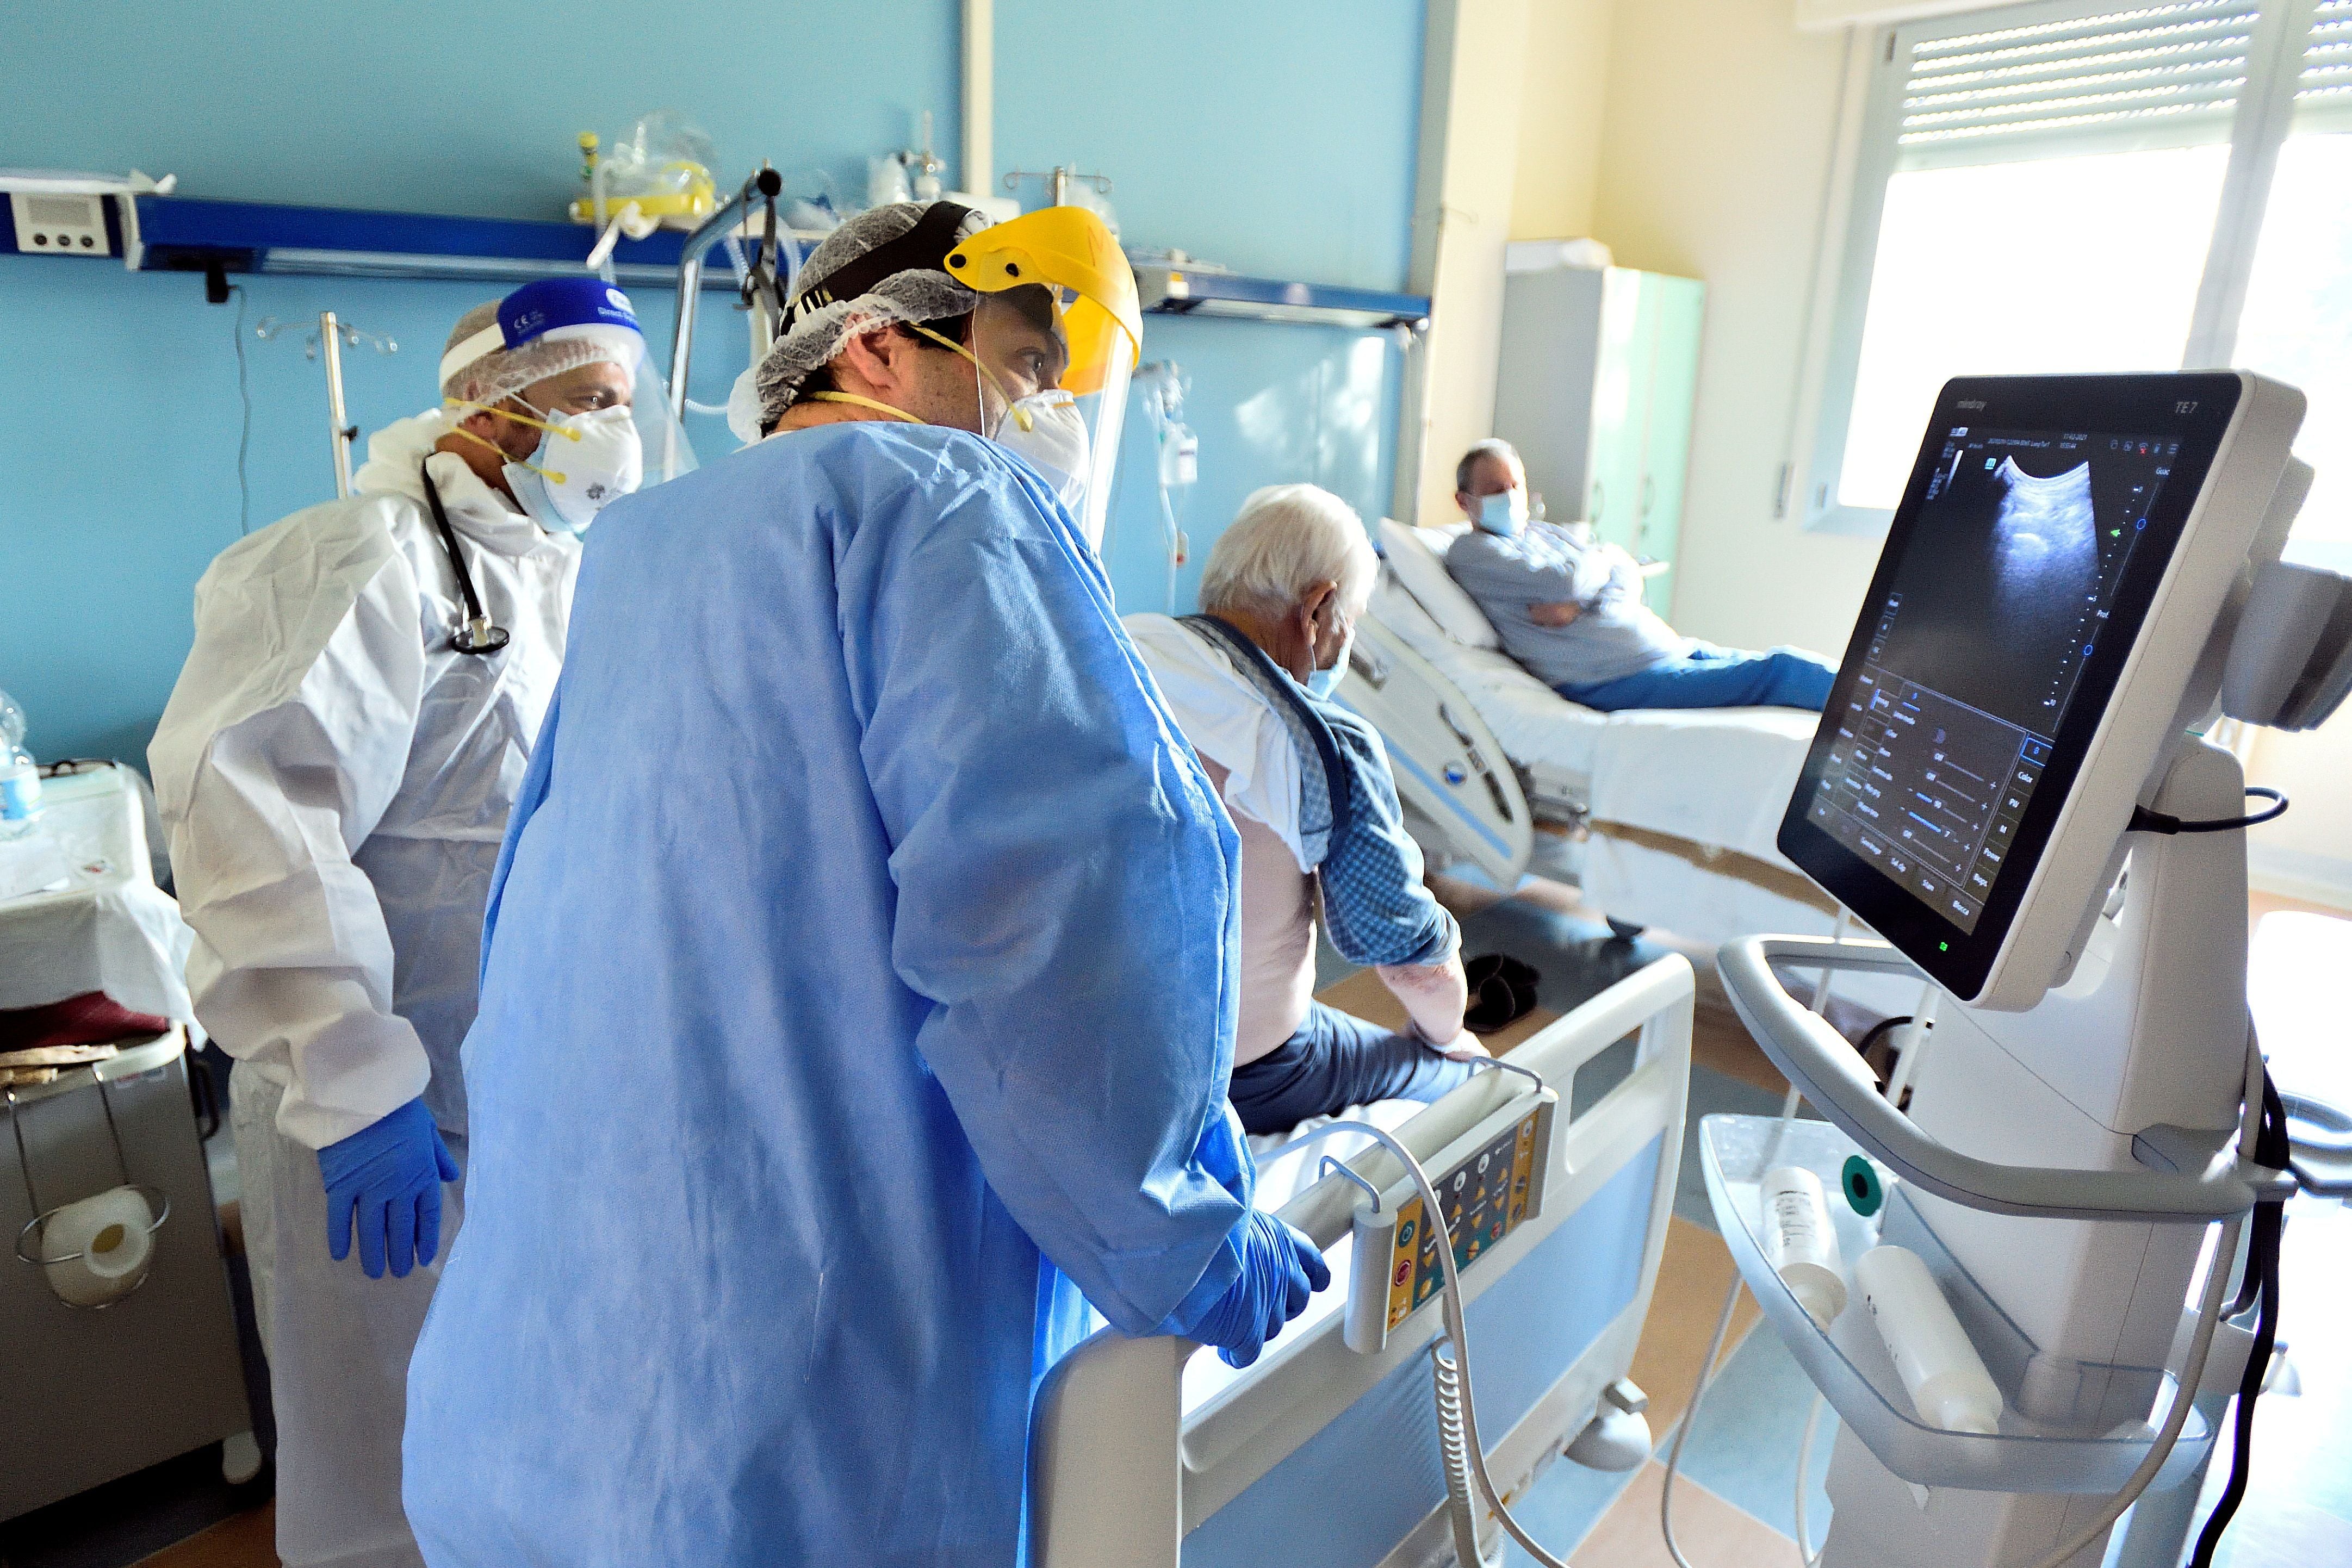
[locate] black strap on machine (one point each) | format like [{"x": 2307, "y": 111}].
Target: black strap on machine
[
  {"x": 477, "y": 636},
  {"x": 2265, "y": 1234},
  {"x": 922, "y": 248},
  {"x": 2144, "y": 821},
  {"x": 1278, "y": 679}
]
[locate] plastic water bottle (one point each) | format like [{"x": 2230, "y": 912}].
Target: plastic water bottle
[{"x": 20, "y": 777}]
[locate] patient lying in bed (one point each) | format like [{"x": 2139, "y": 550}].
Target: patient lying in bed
[
  {"x": 1571, "y": 611},
  {"x": 1307, "y": 785}
]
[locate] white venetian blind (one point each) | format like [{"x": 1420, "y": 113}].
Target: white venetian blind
[
  {"x": 2324, "y": 87},
  {"x": 2152, "y": 76}
]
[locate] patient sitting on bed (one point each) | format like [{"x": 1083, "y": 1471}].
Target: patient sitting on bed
[
  {"x": 1307, "y": 784},
  {"x": 1571, "y": 611}
]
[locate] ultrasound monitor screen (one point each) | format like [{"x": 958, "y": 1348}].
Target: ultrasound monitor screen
[
  {"x": 2042, "y": 514},
  {"x": 1942, "y": 743}
]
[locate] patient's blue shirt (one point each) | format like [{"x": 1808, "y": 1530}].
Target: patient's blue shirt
[{"x": 1613, "y": 635}]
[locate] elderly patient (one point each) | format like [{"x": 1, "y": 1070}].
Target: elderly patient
[
  {"x": 1571, "y": 611},
  {"x": 1307, "y": 784}
]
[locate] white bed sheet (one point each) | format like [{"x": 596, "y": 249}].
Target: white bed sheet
[
  {"x": 1534, "y": 724},
  {"x": 1654, "y": 888},
  {"x": 1712, "y": 776},
  {"x": 1719, "y": 776}
]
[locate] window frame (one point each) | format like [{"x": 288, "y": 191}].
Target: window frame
[{"x": 1870, "y": 117}]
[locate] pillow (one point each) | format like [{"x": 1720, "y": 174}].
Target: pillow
[
  {"x": 1418, "y": 558},
  {"x": 1401, "y": 613}
]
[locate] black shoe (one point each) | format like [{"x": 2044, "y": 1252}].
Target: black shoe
[{"x": 1502, "y": 992}]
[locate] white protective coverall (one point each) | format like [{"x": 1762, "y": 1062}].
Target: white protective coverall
[{"x": 334, "y": 781}]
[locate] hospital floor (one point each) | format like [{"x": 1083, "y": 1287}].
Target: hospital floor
[{"x": 1734, "y": 1502}]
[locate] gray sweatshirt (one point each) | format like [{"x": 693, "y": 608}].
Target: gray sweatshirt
[{"x": 1613, "y": 635}]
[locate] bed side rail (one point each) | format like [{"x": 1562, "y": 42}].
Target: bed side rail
[{"x": 1111, "y": 1459}]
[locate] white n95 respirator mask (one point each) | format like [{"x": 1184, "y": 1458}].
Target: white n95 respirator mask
[
  {"x": 585, "y": 461},
  {"x": 1050, "y": 435}
]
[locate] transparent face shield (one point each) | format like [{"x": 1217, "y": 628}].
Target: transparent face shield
[
  {"x": 668, "y": 454},
  {"x": 1053, "y": 394}
]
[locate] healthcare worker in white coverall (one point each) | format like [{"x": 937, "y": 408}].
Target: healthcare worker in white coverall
[{"x": 335, "y": 769}]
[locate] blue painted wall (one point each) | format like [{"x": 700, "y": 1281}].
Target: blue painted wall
[
  {"x": 1280, "y": 143},
  {"x": 1279, "y": 139}
]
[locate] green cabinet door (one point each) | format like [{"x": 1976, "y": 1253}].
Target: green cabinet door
[
  {"x": 1669, "y": 318},
  {"x": 1620, "y": 397}
]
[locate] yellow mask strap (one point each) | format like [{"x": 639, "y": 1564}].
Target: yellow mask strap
[
  {"x": 1020, "y": 415},
  {"x": 550, "y": 475},
  {"x": 518, "y": 418},
  {"x": 862, "y": 402}
]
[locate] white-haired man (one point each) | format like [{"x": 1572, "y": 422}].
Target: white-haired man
[
  {"x": 334, "y": 770},
  {"x": 1307, "y": 785}
]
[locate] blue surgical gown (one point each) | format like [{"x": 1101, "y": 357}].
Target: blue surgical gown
[{"x": 864, "y": 929}]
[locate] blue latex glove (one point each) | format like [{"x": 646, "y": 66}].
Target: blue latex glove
[
  {"x": 1280, "y": 1269},
  {"x": 391, "y": 1172}
]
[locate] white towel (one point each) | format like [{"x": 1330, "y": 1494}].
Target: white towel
[{"x": 1229, "y": 722}]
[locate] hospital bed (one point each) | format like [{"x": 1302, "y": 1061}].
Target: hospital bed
[
  {"x": 1323, "y": 1456},
  {"x": 1497, "y": 770}
]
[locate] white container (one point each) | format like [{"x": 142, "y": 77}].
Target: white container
[
  {"x": 1801, "y": 1244},
  {"x": 112, "y": 1232},
  {"x": 1932, "y": 1354}
]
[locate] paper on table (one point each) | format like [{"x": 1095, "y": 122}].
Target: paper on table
[{"x": 33, "y": 864}]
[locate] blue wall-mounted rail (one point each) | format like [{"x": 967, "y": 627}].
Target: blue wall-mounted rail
[
  {"x": 181, "y": 234},
  {"x": 185, "y": 234},
  {"x": 1175, "y": 290}
]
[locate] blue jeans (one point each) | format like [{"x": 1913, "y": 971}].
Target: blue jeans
[
  {"x": 1333, "y": 1061},
  {"x": 1709, "y": 676}
]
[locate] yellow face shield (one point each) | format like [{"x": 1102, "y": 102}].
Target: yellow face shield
[
  {"x": 1063, "y": 255},
  {"x": 1068, "y": 250}
]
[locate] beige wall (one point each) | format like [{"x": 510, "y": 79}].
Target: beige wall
[
  {"x": 1504, "y": 156},
  {"x": 1716, "y": 140},
  {"x": 1560, "y": 112},
  {"x": 1462, "y": 219},
  {"x": 2308, "y": 851}
]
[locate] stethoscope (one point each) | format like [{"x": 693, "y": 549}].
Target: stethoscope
[{"x": 476, "y": 635}]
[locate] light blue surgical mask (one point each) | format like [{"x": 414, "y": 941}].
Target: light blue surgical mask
[
  {"x": 1504, "y": 512},
  {"x": 1322, "y": 683}
]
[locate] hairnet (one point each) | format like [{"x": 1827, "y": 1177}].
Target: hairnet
[
  {"x": 917, "y": 294},
  {"x": 502, "y": 372}
]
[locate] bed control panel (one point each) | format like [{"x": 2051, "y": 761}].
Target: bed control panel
[{"x": 1489, "y": 1182}]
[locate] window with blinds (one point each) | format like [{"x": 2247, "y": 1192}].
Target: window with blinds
[
  {"x": 2057, "y": 187},
  {"x": 2154, "y": 76},
  {"x": 2323, "y": 93}
]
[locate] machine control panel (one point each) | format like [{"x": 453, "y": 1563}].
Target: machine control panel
[
  {"x": 59, "y": 225},
  {"x": 1489, "y": 1182}
]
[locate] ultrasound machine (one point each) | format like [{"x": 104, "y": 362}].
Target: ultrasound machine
[{"x": 2016, "y": 787}]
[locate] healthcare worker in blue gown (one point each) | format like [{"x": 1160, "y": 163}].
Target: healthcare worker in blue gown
[{"x": 859, "y": 992}]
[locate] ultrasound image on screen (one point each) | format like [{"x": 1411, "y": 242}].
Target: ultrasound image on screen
[
  {"x": 2013, "y": 562},
  {"x": 2007, "y": 577}
]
